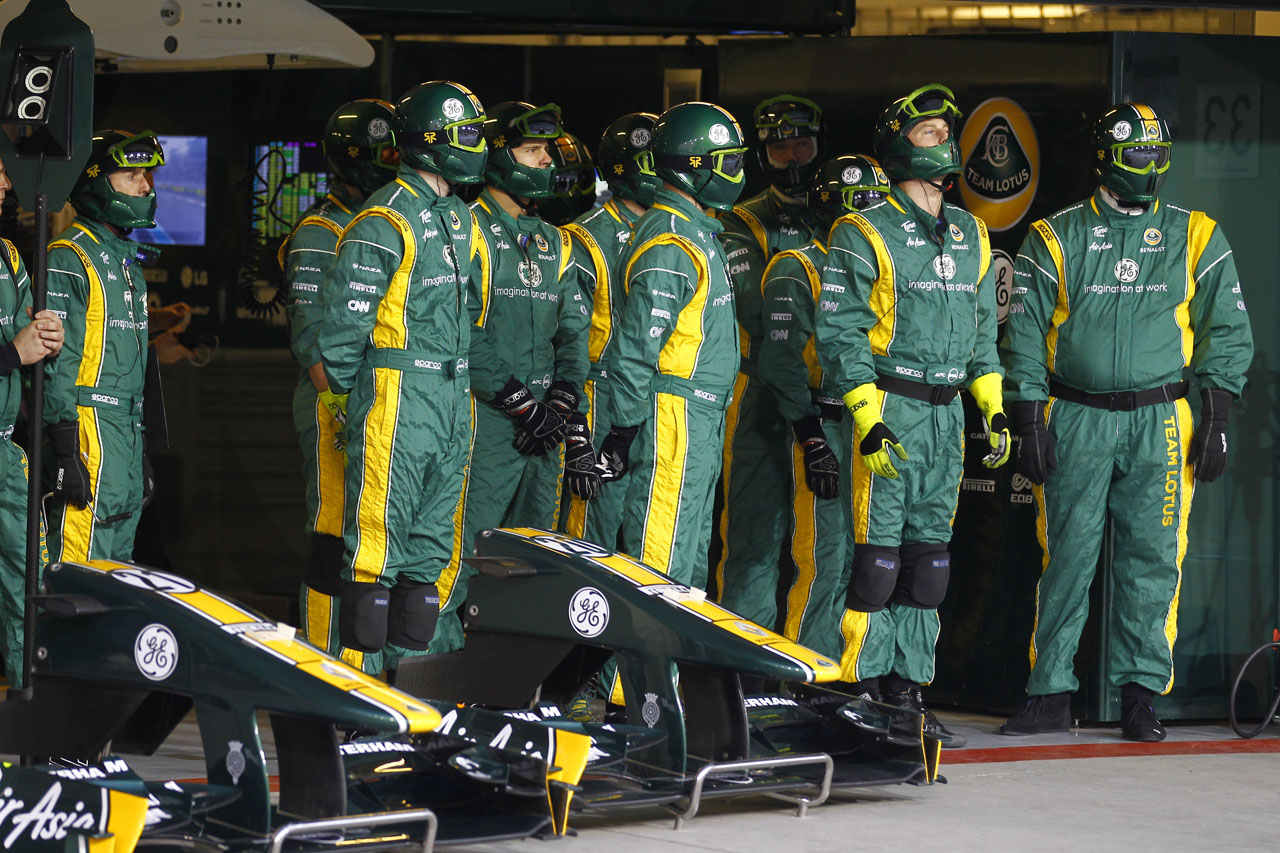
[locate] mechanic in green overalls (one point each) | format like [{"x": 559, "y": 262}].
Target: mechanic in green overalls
[
  {"x": 528, "y": 353},
  {"x": 908, "y": 320},
  {"x": 395, "y": 337},
  {"x": 1114, "y": 299},
  {"x": 93, "y": 398},
  {"x": 756, "y": 466},
  {"x": 600, "y": 240},
  {"x": 360, "y": 147},
  {"x": 788, "y": 366},
  {"x": 24, "y": 340}
]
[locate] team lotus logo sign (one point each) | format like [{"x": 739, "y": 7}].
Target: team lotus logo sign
[{"x": 1001, "y": 163}]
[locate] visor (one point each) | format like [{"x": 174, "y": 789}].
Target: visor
[
  {"x": 728, "y": 163},
  {"x": 466, "y": 134},
  {"x": 792, "y": 117},
  {"x": 141, "y": 151},
  {"x": 857, "y": 199},
  {"x": 1142, "y": 158},
  {"x": 929, "y": 101},
  {"x": 538, "y": 123}
]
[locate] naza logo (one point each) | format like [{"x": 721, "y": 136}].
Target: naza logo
[{"x": 1001, "y": 163}]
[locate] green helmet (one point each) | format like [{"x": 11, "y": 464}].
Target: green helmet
[
  {"x": 574, "y": 187},
  {"x": 901, "y": 159},
  {"x": 1132, "y": 151},
  {"x": 698, "y": 147},
  {"x": 438, "y": 129},
  {"x": 111, "y": 151},
  {"x": 619, "y": 153},
  {"x": 844, "y": 184},
  {"x": 510, "y": 125},
  {"x": 359, "y": 143},
  {"x": 782, "y": 118}
]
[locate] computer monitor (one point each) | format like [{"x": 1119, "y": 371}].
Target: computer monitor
[
  {"x": 305, "y": 163},
  {"x": 181, "y": 193}
]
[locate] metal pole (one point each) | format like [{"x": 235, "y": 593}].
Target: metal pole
[{"x": 35, "y": 449}]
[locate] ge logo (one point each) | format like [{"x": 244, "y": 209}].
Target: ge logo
[
  {"x": 589, "y": 612},
  {"x": 155, "y": 652},
  {"x": 1003, "y": 265},
  {"x": 378, "y": 128},
  {"x": 851, "y": 175},
  {"x": 1121, "y": 131},
  {"x": 154, "y": 581},
  {"x": 530, "y": 274},
  {"x": 640, "y": 137},
  {"x": 1126, "y": 270},
  {"x": 944, "y": 266},
  {"x": 452, "y": 109},
  {"x": 718, "y": 134}
]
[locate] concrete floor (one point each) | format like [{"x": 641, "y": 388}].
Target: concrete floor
[{"x": 1202, "y": 789}]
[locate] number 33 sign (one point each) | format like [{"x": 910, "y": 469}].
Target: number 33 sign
[{"x": 1228, "y": 119}]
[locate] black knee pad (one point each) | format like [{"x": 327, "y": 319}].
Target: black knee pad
[
  {"x": 415, "y": 608},
  {"x": 875, "y": 574},
  {"x": 362, "y": 616},
  {"x": 926, "y": 568},
  {"x": 324, "y": 564}
]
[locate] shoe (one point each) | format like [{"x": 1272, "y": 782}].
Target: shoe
[
  {"x": 1138, "y": 717},
  {"x": 1050, "y": 712},
  {"x": 913, "y": 700},
  {"x": 582, "y": 707}
]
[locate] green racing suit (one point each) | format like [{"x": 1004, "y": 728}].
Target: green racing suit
[
  {"x": 306, "y": 257},
  {"x": 756, "y": 465},
  {"x": 530, "y": 322},
  {"x": 1108, "y": 302},
  {"x": 395, "y": 335},
  {"x": 789, "y": 368},
  {"x": 600, "y": 238},
  {"x": 97, "y": 288},
  {"x": 908, "y": 303},
  {"x": 15, "y": 299}
]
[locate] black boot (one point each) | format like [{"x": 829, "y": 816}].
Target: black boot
[
  {"x": 1041, "y": 715},
  {"x": 913, "y": 699},
  {"x": 1137, "y": 717}
]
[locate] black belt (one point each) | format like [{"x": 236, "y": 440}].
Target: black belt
[
  {"x": 937, "y": 395},
  {"x": 829, "y": 408},
  {"x": 1120, "y": 401}
]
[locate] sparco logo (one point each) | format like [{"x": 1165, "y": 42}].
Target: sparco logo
[
  {"x": 1001, "y": 163},
  {"x": 103, "y": 398}
]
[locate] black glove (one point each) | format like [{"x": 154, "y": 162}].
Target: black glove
[
  {"x": 1209, "y": 444},
  {"x": 70, "y": 475},
  {"x": 148, "y": 481},
  {"x": 564, "y": 398},
  {"x": 580, "y": 459},
  {"x": 821, "y": 468},
  {"x": 538, "y": 427},
  {"x": 611, "y": 461},
  {"x": 1036, "y": 457}
]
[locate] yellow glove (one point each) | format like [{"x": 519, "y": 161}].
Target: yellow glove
[
  {"x": 336, "y": 404},
  {"x": 988, "y": 394},
  {"x": 877, "y": 439}
]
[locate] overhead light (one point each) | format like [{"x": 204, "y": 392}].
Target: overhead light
[{"x": 203, "y": 35}]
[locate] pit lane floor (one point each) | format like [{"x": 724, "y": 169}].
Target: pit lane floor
[{"x": 1202, "y": 789}]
